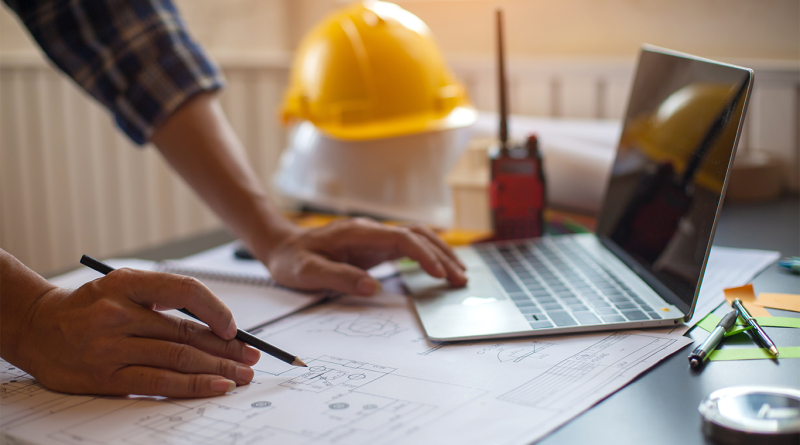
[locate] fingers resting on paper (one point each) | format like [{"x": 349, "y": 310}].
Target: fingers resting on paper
[{"x": 336, "y": 256}]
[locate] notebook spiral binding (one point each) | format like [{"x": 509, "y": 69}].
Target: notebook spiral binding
[{"x": 206, "y": 274}]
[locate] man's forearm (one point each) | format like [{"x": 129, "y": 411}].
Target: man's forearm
[
  {"x": 20, "y": 288},
  {"x": 201, "y": 146}
]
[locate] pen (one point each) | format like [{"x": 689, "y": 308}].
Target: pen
[
  {"x": 701, "y": 353},
  {"x": 241, "y": 335},
  {"x": 760, "y": 334},
  {"x": 792, "y": 264}
]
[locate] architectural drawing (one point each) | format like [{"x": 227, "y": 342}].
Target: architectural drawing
[
  {"x": 373, "y": 379},
  {"x": 514, "y": 352},
  {"x": 578, "y": 376},
  {"x": 333, "y": 401},
  {"x": 16, "y": 384},
  {"x": 31, "y": 400},
  {"x": 368, "y": 327},
  {"x": 520, "y": 352},
  {"x": 433, "y": 349},
  {"x": 327, "y": 372}
]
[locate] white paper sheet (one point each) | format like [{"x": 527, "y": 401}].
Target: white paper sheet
[
  {"x": 728, "y": 267},
  {"x": 372, "y": 379}
]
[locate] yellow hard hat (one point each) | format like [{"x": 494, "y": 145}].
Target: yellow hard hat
[
  {"x": 678, "y": 126},
  {"x": 372, "y": 70}
]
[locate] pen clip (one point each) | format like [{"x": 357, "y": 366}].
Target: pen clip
[{"x": 739, "y": 306}]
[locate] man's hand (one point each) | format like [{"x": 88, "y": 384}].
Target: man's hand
[
  {"x": 336, "y": 256},
  {"x": 200, "y": 144},
  {"x": 106, "y": 338}
]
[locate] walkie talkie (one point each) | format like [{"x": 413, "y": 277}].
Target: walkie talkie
[{"x": 517, "y": 190}]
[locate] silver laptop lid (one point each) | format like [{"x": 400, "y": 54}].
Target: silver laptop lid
[{"x": 669, "y": 177}]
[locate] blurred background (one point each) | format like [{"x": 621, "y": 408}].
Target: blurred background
[{"x": 70, "y": 183}]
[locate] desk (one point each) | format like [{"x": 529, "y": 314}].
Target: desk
[{"x": 660, "y": 407}]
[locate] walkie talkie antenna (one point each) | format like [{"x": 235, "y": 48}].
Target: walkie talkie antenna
[{"x": 501, "y": 84}]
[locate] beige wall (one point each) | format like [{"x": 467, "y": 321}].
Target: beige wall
[
  {"x": 765, "y": 29},
  {"x": 711, "y": 28}
]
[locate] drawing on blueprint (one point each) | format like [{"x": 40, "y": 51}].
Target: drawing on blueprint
[
  {"x": 328, "y": 372},
  {"x": 334, "y": 401},
  {"x": 375, "y": 325},
  {"x": 432, "y": 350},
  {"x": 368, "y": 326},
  {"x": 16, "y": 384},
  {"x": 505, "y": 352},
  {"x": 18, "y": 388},
  {"x": 581, "y": 374},
  {"x": 518, "y": 353}
]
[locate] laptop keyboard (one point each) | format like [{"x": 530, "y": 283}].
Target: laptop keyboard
[{"x": 554, "y": 282}]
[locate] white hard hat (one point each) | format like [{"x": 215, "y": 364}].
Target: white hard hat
[{"x": 399, "y": 177}]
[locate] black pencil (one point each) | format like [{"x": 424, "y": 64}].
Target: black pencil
[{"x": 241, "y": 335}]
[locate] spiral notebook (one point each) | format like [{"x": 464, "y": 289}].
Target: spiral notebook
[
  {"x": 253, "y": 300},
  {"x": 245, "y": 286}
]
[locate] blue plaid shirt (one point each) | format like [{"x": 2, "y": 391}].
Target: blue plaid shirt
[{"x": 134, "y": 56}]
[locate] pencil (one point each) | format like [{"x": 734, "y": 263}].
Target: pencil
[{"x": 241, "y": 335}]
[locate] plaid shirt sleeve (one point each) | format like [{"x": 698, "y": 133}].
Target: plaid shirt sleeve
[{"x": 134, "y": 56}]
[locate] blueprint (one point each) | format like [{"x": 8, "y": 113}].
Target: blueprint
[{"x": 372, "y": 378}]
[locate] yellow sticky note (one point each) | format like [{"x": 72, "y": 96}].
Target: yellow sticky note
[
  {"x": 787, "y": 302},
  {"x": 748, "y": 297}
]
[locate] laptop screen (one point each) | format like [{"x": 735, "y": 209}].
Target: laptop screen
[{"x": 678, "y": 139}]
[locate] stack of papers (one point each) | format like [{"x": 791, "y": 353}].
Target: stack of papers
[{"x": 373, "y": 378}]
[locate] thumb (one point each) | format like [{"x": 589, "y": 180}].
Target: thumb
[{"x": 321, "y": 273}]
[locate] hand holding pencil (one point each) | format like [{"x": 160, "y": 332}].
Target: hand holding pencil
[
  {"x": 105, "y": 337},
  {"x": 241, "y": 335}
]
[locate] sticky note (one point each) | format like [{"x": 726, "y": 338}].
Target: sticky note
[
  {"x": 710, "y": 322},
  {"x": 748, "y": 297},
  {"x": 753, "y": 353},
  {"x": 787, "y": 302}
]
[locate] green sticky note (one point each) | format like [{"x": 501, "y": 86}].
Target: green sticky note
[
  {"x": 779, "y": 322},
  {"x": 710, "y": 321},
  {"x": 737, "y": 330},
  {"x": 753, "y": 353}
]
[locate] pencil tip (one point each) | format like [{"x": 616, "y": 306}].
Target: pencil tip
[
  {"x": 774, "y": 351},
  {"x": 298, "y": 362}
]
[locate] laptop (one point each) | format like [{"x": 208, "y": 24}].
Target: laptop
[{"x": 644, "y": 265}]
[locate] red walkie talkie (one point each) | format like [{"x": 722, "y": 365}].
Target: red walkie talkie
[{"x": 517, "y": 189}]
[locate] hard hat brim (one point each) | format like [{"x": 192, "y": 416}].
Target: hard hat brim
[{"x": 459, "y": 117}]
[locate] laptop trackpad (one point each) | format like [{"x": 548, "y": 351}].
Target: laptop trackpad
[
  {"x": 481, "y": 285},
  {"x": 481, "y": 308}
]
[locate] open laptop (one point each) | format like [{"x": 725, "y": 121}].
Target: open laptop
[{"x": 644, "y": 265}]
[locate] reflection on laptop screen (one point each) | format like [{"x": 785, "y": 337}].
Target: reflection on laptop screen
[{"x": 678, "y": 138}]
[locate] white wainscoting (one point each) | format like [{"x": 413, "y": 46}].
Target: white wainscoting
[{"x": 70, "y": 183}]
